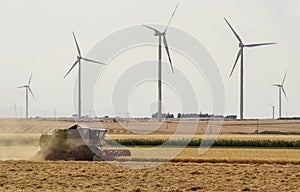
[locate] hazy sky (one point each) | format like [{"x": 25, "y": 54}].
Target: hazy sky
[{"x": 35, "y": 36}]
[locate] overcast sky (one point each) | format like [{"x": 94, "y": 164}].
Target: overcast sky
[{"x": 35, "y": 36}]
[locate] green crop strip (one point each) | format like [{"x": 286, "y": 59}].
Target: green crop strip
[{"x": 217, "y": 143}]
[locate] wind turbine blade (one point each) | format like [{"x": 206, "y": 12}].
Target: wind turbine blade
[
  {"x": 259, "y": 44},
  {"x": 21, "y": 87},
  {"x": 30, "y": 79},
  {"x": 236, "y": 60},
  {"x": 284, "y": 78},
  {"x": 275, "y": 85},
  {"x": 237, "y": 36},
  {"x": 168, "y": 52},
  {"x": 284, "y": 93},
  {"x": 171, "y": 18},
  {"x": 31, "y": 93},
  {"x": 72, "y": 67},
  {"x": 76, "y": 44},
  {"x": 155, "y": 30},
  {"x": 89, "y": 60}
]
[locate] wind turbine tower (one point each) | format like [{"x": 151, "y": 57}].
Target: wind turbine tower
[
  {"x": 78, "y": 61},
  {"x": 281, "y": 88},
  {"x": 27, "y": 89},
  {"x": 241, "y": 55},
  {"x": 162, "y": 36}
]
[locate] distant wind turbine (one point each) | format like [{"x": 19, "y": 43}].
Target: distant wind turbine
[
  {"x": 78, "y": 61},
  {"x": 273, "y": 110},
  {"x": 241, "y": 55},
  {"x": 281, "y": 88},
  {"x": 27, "y": 88},
  {"x": 162, "y": 35}
]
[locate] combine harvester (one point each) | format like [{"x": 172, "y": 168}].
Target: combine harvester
[{"x": 78, "y": 143}]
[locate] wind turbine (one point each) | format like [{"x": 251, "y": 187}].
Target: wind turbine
[
  {"x": 281, "y": 88},
  {"x": 241, "y": 55},
  {"x": 273, "y": 110},
  {"x": 162, "y": 35},
  {"x": 78, "y": 61},
  {"x": 27, "y": 88}
]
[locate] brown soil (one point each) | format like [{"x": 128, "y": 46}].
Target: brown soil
[{"x": 102, "y": 176}]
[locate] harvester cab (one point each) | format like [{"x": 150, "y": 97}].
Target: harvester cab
[{"x": 91, "y": 136}]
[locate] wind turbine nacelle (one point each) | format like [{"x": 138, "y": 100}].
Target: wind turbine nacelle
[
  {"x": 160, "y": 34},
  {"x": 241, "y": 45}
]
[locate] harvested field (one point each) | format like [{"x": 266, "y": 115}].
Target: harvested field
[
  {"x": 121, "y": 126},
  {"x": 217, "y": 155},
  {"x": 102, "y": 176},
  {"x": 219, "y": 169},
  {"x": 240, "y": 155},
  {"x": 18, "y": 152},
  {"x": 244, "y": 154}
]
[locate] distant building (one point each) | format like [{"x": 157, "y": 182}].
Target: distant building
[
  {"x": 164, "y": 116},
  {"x": 231, "y": 117}
]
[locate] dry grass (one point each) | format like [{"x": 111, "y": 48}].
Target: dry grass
[
  {"x": 243, "y": 154},
  {"x": 229, "y": 155}
]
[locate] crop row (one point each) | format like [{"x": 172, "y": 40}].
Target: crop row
[
  {"x": 217, "y": 143},
  {"x": 279, "y": 133}
]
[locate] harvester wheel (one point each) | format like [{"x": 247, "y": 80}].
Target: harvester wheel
[
  {"x": 82, "y": 153},
  {"x": 56, "y": 154}
]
